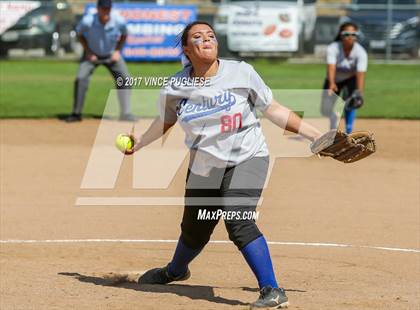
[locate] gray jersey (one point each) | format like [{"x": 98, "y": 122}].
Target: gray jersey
[
  {"x": 346, "y": 67},
  {"x": 220, "y": 119}
]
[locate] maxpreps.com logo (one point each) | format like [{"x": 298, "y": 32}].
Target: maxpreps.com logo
[{"x": 187, "y": 110}]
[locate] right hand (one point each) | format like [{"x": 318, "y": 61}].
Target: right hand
[
  {"x": 91, "y": 57},
  {"x": 136, "y": 145},
  {"x": 332, "y": 89}
]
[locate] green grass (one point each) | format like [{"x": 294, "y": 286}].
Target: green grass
[{"x": 44, "y": 88}]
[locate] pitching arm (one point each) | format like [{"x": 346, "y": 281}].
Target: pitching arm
[{"x": 156, "y": 130}]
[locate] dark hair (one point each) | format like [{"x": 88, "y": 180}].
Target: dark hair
[
  {"x": 344, "y": 26},
  {"x": 183, "y": 36},
  {"x": 104, "y": 3}
]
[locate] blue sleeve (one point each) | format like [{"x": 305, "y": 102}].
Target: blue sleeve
[
  {"x": 83, "y": 25},
  {"x": 122, "y": 25}
]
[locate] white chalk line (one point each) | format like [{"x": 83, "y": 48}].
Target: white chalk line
[{"x": 308, "y": 244}]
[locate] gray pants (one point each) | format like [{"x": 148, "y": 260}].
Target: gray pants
[{"x": 118, "y": 70}]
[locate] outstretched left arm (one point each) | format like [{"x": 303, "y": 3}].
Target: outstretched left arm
[
  {"x": 360, "y": 81},
  {"x": 287, "y": 119}
]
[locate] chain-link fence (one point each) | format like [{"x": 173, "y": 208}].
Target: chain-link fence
[{"x": 389, "y": 29}]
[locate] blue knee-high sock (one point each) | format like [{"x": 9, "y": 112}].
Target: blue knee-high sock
[
  {"x": 257, "y": 256},
  {"x": 350, "y": 117},
  {"x": 182, "y": 257}
]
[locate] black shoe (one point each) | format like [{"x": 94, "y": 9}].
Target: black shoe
[
  {"x": 73, "y": 118},
  {"x": 271, "y": 298},
  {"x": 161, "y": 276},
  {"x": 128, "y": 118}
]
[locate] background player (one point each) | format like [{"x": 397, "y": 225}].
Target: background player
[
  {"x": 229, "y": 157},
  {"x": 346, "y": 67},
  {"x": 102, "y": 36}
]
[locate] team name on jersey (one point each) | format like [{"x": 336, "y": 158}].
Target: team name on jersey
[{"x": 188, "y": 110}]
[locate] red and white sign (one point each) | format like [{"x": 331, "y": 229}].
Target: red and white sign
[{"x": 265, "y": 30}]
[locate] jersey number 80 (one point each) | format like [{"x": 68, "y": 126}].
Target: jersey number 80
[{"x": 229, "y": 123}]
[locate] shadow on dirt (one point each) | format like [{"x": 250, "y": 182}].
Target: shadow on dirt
[
  {"x": 63, "y": 117},
  {"x": 195, "y": 292},
  {"x": 129, "y": 281}
]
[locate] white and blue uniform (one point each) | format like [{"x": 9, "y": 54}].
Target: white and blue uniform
[
  {"x": 346, "y": 67},
  {"x": 229, "y": 162},
  {"x": 345, "y": 79},
  {"x": 220, "y": 120}
]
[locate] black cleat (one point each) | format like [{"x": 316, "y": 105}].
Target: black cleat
[
  {"x": 73, "y": 118},
  {"x": 161, "y": 276},
  {"x": 128, "y": 118},
  {"x": 271, "y": 298}
]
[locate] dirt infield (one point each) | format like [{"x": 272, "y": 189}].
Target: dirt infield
[{"x": 316, "y": 205}]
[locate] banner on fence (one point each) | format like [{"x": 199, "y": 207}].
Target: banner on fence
[{"x": 152, "y": 29}]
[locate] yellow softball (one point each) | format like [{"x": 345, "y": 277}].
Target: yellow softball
[{"x": 124, "y": 142}]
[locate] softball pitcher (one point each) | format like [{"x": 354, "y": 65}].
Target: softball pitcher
[
  {"x": 346, "y": 67},
  {"x": 228, "y": 156}
]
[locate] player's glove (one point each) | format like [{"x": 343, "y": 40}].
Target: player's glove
[
  {"x": 355, "y": 101},
  {"x": 346, "y": 148}
]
